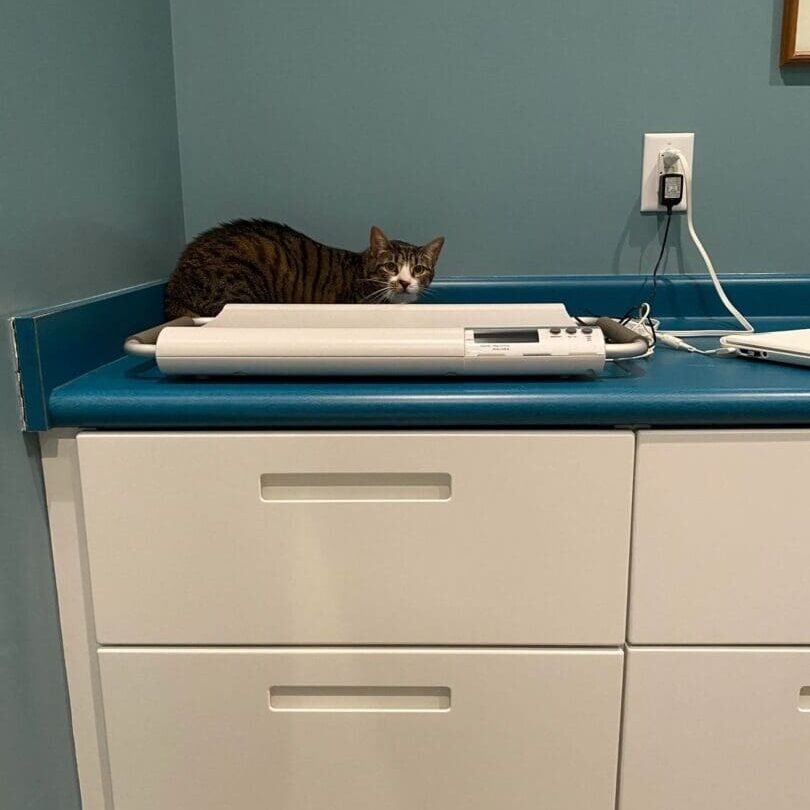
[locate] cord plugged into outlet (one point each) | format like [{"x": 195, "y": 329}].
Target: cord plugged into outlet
[
  {"x": 671, "y": 181},
  {"x": 661, "y": 157},
  {"x": 683, "y": 162},
  {"x": 670, "y": 158},
  {"x": 667, "y": 186}
]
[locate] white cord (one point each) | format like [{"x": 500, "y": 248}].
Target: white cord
[
  {"x": 648, "y": 328},
  {"x": 674, "y": 342},
  {"x": 640, "y": 326},
  {"x": 673, "y": 339},
  {"x": 738, "y": 316}
]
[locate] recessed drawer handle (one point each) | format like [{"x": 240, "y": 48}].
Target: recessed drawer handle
[
  {"x": 360, "y": 699},
  {"x": 355, "y": 487},
  {"x": 804, "y": 699}
]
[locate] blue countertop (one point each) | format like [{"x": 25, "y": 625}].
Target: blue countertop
[
  {"x": 93, "y": 386},
  {"x": 670, "y": 388}
]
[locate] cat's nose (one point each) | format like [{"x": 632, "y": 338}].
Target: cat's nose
[{"x": 404, "y": 283}]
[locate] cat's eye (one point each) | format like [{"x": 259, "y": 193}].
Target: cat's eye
[
  {"x": 420, "y": 269},
  {"x": 390, "y": 267}
]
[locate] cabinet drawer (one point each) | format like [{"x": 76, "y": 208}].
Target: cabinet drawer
[
  {"x": 706, "y": 729},
  {"x": 721, "y": 538},
  {"x": 378, "y": 730},
  {"x": 358, "y": 538}
]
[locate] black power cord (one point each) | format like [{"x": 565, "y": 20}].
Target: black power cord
[
  {"x": 657, "y": 267},
  {"x": 670, "y": 193}
]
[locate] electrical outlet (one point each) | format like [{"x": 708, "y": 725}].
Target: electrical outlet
[{"x": 654, "y": 144}]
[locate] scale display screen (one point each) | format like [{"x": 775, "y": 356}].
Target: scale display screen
[{"x": 506, "y": 336}]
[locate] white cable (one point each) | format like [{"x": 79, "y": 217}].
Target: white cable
[
  {"x": 645, "y": 326},
  {"x": 738, "y": 316},
  {"x": 638, "y": 325},
  {"x": 674, "y": 342}
]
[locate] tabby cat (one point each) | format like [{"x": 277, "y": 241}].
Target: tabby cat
[{"x": 260, "y": 262}]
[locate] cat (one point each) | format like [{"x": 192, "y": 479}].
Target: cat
[{"x": 256, "y": 261}]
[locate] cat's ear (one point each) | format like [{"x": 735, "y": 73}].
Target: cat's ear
[
  {"x": 378, "y": 241},
  {"x": 433, "y": 249}
]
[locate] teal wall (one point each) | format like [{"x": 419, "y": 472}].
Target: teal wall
[
  {"x": 513, "y": 127},
  {"x": 90, "y": 202}
]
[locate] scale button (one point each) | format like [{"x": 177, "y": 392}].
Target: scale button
[
  {"x": 555, "y": 330},
  {"x": 572, "y": 330},
  {"x": 586, "y": 330}
]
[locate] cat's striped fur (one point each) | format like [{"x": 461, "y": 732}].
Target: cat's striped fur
[{"x": 262, "y": 262}]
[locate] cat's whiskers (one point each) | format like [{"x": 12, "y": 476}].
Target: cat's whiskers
[
  {"x": 381, "y": 290},
  {"x": 377, "y": 297}
]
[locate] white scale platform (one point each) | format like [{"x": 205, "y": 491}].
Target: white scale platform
[{"x": 384, "y": 339}]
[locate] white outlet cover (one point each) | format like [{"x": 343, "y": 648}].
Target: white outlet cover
[{"x": 654, "y": 144}]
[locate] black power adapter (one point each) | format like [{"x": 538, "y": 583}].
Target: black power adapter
[{"x": 670, "y": 190}]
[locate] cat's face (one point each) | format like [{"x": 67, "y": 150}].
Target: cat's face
[{"x": 397, "y": 272}]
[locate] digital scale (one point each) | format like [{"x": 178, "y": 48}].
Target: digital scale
[{"x": 384, "y": 339}]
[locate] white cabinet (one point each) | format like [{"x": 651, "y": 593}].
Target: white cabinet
[
  {"x": 434, "y": 620},
  {"x": 716, "y": 729},
  {"x": 721, "y": 538},
  {"x": 381, "y": 729},
  {"x": 495, "y": 538}
]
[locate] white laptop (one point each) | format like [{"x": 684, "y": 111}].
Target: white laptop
[{"x": 779, "y": 347}]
